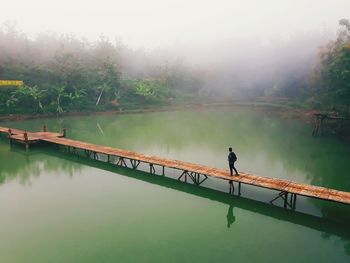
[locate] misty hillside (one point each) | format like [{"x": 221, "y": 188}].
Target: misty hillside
[{"x": 66, "y": 73}]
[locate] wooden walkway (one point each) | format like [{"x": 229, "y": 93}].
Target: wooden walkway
[{"x": 196, "y": 173}]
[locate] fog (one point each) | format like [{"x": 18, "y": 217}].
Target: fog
[
  {"x": 160, "y": 23},
  {"x": 229, "y": 45}
]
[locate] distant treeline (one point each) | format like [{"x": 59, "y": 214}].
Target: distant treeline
[
  {"x": 331, "y": 79},
  {"x": 63, "y": 73}
]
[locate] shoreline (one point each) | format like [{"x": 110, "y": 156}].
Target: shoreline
[{"x": 279, "y": 109}]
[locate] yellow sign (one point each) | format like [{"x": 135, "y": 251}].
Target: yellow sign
[{"x": 11, "y": 82}]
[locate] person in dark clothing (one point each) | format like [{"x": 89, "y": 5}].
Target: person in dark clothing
[{"x": 231, "y": 161}]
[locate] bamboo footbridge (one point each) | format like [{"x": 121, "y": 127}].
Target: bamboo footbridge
[{"x": 196, "y": 173}]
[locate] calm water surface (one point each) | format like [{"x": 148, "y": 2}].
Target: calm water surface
[{"x": 56, "y": 207}]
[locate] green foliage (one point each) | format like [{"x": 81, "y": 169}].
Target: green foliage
[
  {"x": 65, "y": 74},
  {"x": 332, "y": 78},
  {"x": 26, "y": 97},
  {"x": 151, "y": 89}
]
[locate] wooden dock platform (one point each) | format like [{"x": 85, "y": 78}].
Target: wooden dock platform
[{"x": 196, "y": 173}]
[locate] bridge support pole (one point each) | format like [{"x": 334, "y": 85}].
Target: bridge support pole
[
  {"x": 121, "y": 162},
  {"x": 9, "y": 136},
  {"x": 151, "y": 169},
  {"x": 184, "y": 173},
  {"x": 232, "y": 188},
  {"x": 26, "y": 140},
  {"x": 134, "y": 163},
  {"x": 294, "y": 201},
  {"x": 64, "y": 132},
  {"x": 285, "y": 199},
  {"x": 195, "y": 177},
  {"x": 291, "y": 203}
]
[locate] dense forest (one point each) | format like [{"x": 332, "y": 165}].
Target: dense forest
[
  {"x": 331, "y": 86},
  {"x": 62, "y": 73}
]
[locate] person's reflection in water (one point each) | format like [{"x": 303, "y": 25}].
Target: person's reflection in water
[{"x": 230, "y": 217}]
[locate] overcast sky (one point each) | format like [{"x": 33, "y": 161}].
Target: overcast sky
[{"x": 162, "y": 23}]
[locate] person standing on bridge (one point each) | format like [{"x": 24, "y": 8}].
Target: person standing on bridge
[{"x": 232, "y": 158}]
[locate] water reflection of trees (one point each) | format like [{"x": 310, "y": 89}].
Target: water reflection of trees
[
  {"x": 322, "y": 161},
  {"x": 328, "y": 227},
  {"x": 16, "y": 164}
]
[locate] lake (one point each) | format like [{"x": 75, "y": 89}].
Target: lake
[{"x": 56, "y": 207}]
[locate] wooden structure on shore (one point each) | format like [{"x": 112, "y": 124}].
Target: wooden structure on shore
[
  {"x": 326, "y": 124},
  {"x": 195, "y": 173}
]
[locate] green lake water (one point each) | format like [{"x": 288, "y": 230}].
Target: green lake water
[{"x": 56, "y": 207}]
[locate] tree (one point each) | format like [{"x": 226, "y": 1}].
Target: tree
[
  {"x": 332, "y": 85},
  {"x": 26, "y": 97},
  {"x": 151, "y": 89}
]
